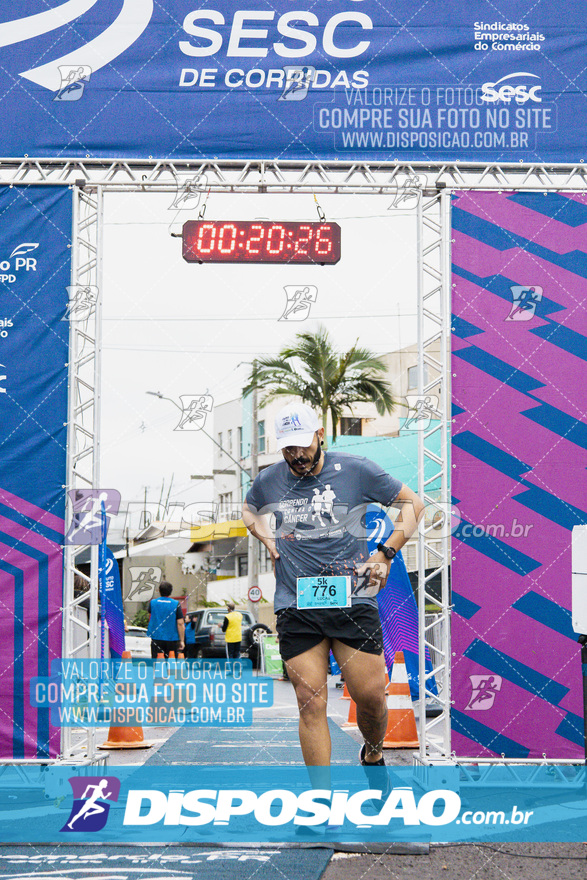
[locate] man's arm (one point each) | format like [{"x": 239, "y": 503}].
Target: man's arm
[
  {"x": 258, "y": 526},
  {"x": 181, "y": 632},
  {"x": 411, "y": 511},
  {"x": 225, "y": 623}
]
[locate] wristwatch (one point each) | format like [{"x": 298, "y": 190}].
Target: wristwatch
[{"x": 387, "y": 551}]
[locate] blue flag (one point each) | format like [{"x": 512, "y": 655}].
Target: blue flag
[
  {"x": 397, "y": 607},
  {"x": 110, "y": 595}
]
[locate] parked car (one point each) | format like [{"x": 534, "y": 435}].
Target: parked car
[
  {"x": 210, "y": 641},
  {"x": 137, "y": 641}
]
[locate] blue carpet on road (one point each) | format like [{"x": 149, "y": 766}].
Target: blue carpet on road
[
  {"x": 266, "y": 742},
  {"x": 61, "y": 862}
]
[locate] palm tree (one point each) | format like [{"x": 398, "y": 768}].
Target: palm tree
[{"x": 323, "y": 378}]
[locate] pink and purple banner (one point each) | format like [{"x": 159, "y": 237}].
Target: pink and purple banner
[
  {"x": 35, "y": 262},
  {"x": 519, "y": 453}
]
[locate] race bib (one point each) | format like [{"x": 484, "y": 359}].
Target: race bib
[{"x": 324, "y": 592}]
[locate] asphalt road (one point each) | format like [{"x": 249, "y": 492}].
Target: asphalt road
[
  {"x": 512, "y": 861},
  {"x": 508, "y": 861}
]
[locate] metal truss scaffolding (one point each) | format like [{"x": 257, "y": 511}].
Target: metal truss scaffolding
[
  {"x": 90, "y": 179},
  {"x": 80, "y": 616},
  {"x": 434, "y": 555}
]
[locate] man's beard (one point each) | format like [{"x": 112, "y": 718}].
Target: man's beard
[{"x": 307, "y": 464}]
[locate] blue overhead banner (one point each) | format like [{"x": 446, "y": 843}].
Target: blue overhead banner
[{"x": 295, "y": 79}]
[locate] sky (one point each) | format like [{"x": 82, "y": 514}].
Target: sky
[{"x": 181, "y": 328}]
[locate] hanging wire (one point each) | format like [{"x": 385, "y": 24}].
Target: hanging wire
[{"x": 321, "y": 214}]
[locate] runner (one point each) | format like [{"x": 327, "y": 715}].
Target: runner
[
  {"x": 90, "y": 807},
  {"x": 326, "y": 582}
]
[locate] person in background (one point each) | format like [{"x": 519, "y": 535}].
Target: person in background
[
  {"x": 190, "y": 636},
  {"x": 166, "y": 624},
  {"x": 233, "y": 629}
]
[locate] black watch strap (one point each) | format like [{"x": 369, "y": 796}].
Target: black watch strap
[{"x": 387, "y": 551}]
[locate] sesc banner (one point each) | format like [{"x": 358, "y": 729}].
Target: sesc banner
[{"x": 345, "y": 79}]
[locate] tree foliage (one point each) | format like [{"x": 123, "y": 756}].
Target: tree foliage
[{"x": 327, "y": 380}]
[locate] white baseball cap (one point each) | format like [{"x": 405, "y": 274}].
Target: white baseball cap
[{"x": 295, "y": 425}]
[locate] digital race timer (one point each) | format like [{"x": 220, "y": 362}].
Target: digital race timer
[{"x": 260, "y": 241}]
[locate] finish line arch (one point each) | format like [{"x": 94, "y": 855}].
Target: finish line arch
[{"x": 436, "y": 186}]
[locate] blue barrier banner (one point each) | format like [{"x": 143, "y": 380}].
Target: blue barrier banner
[
  {"x": 295, "y": 80},
  {"x": 220, "y": 804},
  {"x": 35, "y": 269}
]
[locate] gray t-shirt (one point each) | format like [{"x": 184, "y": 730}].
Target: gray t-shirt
[{"x": 319, "y": 521}]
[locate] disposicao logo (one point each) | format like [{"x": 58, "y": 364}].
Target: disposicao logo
[
  {"x": 90, "y": 802},
  {"x": 281, "y": 806},
  {"x": 125, "y": 30}
]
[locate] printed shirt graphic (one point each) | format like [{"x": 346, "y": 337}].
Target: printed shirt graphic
[
  {"x": 320, "y": 520},
  {"x": 164, "y": 613}
]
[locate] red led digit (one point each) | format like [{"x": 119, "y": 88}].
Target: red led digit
[
  {"x": 222, "y": 247},
  {"x": 304, "y": 240},
  {"x": 272, "y": 247},
  {"x": 323, "y": 242},
  {"x": 200, "y": 246},
  {"x": 261, "y": 241},
  {"x": 255, "y": 239}
]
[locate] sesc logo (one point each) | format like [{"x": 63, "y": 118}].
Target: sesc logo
[
  {"x": 132, "y": 19},
  {"x": 522, "y": 93}
]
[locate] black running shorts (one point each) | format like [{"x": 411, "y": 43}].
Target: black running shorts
[{"x": 358, "y": 626}]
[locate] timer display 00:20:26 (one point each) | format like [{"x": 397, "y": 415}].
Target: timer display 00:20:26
[{"x": 260, "y": 241}]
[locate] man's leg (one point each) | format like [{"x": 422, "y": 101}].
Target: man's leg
[
  {"x": 307, "y": 673},
  {"x": 364, "y": 675}
]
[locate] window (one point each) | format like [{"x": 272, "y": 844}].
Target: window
[
  {"x": 243, "y": 566},
  {"x": 220, "y": 443},
  {"x": 240, "y": 443},
  {"x": 413, "y": 376},
  {"x": 261, "y": 430},
  {"x": 351, "y": 427},
  {"x": 409, "y": 553},
  {"x": 264, "y": 559},
  {"x": 229, "y": 441},
  {"x": 225, "y": 501}
]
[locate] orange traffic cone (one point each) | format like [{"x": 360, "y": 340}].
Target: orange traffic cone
[
  {"x": 125, "y": 737},
  {"x": 352, "y": 719},
  {"x": 401, "y": 730},
  {"x": 345, "y": 693}
]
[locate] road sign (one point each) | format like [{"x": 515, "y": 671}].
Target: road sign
[{"x": 255, "y": 594}]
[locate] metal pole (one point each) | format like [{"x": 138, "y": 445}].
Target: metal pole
[
  {"x": 253, "y": 544},
  {"x": 583, "y": 643},
  {"x": 421, "y": 559},
  {"x": 445, "y": 435}
]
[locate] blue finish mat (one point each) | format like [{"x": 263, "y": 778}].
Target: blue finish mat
[
  {"x": 61, "y": 862},
  {"x": 266, "y": 742}
]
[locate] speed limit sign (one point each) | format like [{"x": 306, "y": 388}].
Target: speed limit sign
[{"x": 255, "y": 594}]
